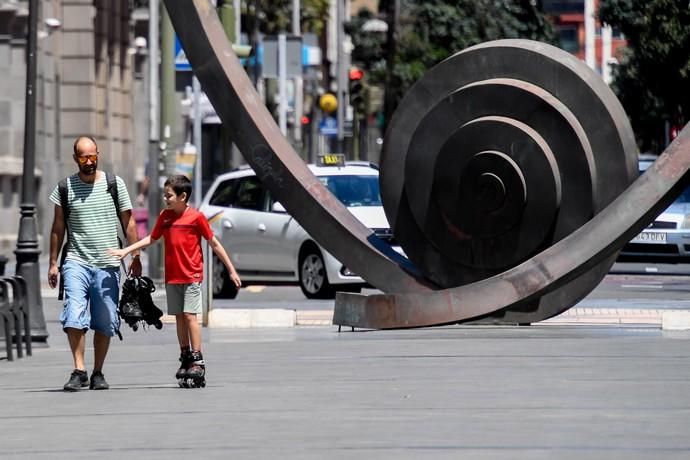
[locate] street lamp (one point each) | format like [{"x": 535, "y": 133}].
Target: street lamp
[{"x": 27, "y": 239}]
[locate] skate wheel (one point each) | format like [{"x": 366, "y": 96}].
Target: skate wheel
[
  {"x": 159, "y": 325},
  {"x": 135, "y": 327}
]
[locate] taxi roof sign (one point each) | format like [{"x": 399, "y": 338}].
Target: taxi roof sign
[{"x": 331, "y": 159}]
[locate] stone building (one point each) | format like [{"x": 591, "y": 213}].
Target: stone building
[{"x": 85, "y": 86}]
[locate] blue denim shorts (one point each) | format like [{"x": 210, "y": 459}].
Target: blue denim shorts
[{"x": 91, "y": 296}]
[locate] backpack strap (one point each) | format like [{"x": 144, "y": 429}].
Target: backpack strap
[
  {"x": 64, "y": 202},
  {"x": 111, "y": 180}
]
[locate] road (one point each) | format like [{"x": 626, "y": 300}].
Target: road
[{"x": 629, "y": 285}]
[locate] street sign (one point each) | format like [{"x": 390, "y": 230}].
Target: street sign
[
  {"x": 181, "y": 62},
  {"x": 293, "y": 56},
  {"x": 328, "y": 126},
  {"x": 183, "y": 65}
]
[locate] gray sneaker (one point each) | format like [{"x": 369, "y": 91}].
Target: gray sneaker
[
  {"x": 98, "y": 381},
  {"x": 77, "y": 380}
]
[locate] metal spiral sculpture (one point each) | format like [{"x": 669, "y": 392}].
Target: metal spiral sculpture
[{"x": 507, "y": 174}]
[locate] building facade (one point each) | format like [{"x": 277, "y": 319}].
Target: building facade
[
  {"x": 84, "y": 86},
  {"x": 570, "y": 19}
]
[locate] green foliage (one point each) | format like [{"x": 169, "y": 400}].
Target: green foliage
[
  {"x": 276, "y": 15},
  {"x": 653, "y": 74},
  {"x": 432, "y": 30}
]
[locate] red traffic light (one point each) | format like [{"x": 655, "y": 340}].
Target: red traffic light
[
  {"x": 356, "y": 74},
  {"x": 305, "y": 120}
]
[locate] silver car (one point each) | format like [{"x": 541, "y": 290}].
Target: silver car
[
  {"x": 668, "y": 237},
  {"x": 268, "y": 246}
]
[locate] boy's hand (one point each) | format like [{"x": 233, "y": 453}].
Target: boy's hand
[
  {"x": 236, "y": 279},
  {"x": 119, "y": 253}
]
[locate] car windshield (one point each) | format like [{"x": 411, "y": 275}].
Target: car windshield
[
  {"x": 354, "y": 191},
  {"x": 684, "y": 197}
]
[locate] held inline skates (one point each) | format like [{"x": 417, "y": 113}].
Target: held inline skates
[
  {"x": 136, "y": 305},
  {"x": 192, "y": 371}
]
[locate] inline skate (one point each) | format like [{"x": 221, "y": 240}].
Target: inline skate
[
  {"x": 136, "y": 305},
  {"x": 185, "y": 361},
  {"x": 192, "y": 372}
]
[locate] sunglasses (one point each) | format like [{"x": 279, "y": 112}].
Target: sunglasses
[{"x": 82, "y": 159}]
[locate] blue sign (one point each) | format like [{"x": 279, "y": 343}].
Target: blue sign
[
  {"x": 328, "y": 126},
  {"x": 181, "y": 62}
]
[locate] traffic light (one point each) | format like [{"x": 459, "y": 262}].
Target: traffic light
[{"x": 358, "y": 96}]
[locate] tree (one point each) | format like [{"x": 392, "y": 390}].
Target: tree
[
  {"x": 275, "y": 16},
  {"x": 432, "y": 30},
  {"x": 653, "y": 74}
]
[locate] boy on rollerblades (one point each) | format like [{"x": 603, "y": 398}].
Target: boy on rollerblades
[{"x": 182, "y": 228}]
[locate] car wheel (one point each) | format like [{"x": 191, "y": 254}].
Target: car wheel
[
  {"x": 312, "y": 276},
  {"x": 223, "y": 287}
]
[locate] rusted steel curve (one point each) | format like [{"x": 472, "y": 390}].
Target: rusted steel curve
[
  {"x": 497, "y": 153},
  {"x": 592, "y": 243},
  {"x": 280, "y": 169}
]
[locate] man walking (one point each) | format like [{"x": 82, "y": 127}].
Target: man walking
[{"x": 90, "y": 206}]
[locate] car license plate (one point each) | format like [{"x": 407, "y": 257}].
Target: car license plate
[{"x": 650, "y": 237}]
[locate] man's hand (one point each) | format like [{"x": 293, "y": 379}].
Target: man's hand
[
  {"x": 53, "y": 276},
  {"x": 135, "y": 267}
]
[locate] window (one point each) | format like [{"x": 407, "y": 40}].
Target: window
[
  {"x": 250, "y": 194},
  {"x": 563, "y": 6},
  {"x": 568, "y": 37},
  {"x": 354, "y": 190},
  {"x": 225, "y": 193}
]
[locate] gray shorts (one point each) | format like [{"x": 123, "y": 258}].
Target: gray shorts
[{"x": 183, "y": 298}]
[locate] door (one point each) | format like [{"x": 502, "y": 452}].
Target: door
[{"x": 239, "y": 226}]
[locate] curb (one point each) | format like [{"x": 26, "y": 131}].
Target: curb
[
  {"x": 243, "y": 319},
  {"x": 675, "y": 320},
  {"x": 276, "y": 317},
  {"x": 256, "y": 318}
]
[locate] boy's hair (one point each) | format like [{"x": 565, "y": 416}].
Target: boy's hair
[{"x": 180, "y": 184}]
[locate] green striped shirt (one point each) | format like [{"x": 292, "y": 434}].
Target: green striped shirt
[{"x": 93, "y": 222}]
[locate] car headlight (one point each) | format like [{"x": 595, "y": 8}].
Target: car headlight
[
  {"x": 347, "y": 272},
  {"x": 686, "y": 222}
]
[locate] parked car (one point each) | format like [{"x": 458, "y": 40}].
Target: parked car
[
  {"x": 668, "y": 237},
  {"x": 268, "y": 246}
]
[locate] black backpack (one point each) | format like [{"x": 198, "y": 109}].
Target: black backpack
[{"x": 64, "y": 203}]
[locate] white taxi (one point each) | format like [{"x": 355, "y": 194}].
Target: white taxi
[{"x": 268, "y": 246}]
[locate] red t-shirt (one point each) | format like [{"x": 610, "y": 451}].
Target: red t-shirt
[{"x": 182, "y": 234}]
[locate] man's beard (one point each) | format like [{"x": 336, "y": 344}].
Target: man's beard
[{"x": 88, "y": 170}]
